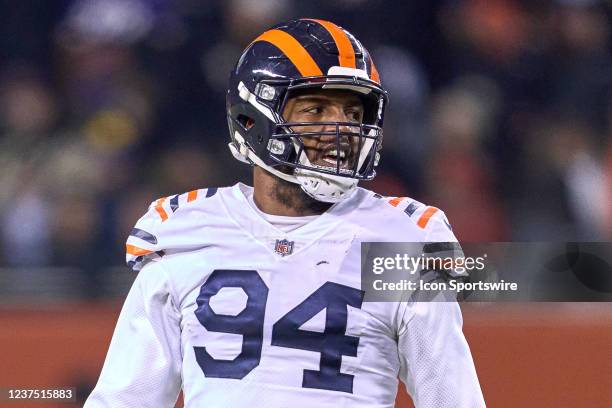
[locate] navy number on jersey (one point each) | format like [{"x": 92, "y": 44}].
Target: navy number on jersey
[
  {"x": 249, "y": 322},
  {"x": 332, "y": 343}
]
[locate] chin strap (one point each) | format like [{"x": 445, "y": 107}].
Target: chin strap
[{"x": 325, "y": 188}]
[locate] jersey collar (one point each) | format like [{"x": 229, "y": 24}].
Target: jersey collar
[{"x": 251, "y": 222}]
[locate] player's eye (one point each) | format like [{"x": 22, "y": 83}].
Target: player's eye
[
  {"x": 313, "y": 110},
  {"x": 354, "y": 115}
]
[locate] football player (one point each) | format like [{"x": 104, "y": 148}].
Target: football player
[{"x": 251, "y": 296}]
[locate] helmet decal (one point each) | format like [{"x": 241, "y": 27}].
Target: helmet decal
[
  {"x": 346, "y": 53},
  {"x": 292, "y": 48}
]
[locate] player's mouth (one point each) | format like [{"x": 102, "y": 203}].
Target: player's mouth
[{"x": 331, "y": 156}]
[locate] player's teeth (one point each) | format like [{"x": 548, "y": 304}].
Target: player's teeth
[
  {"x": 333, "y": 153},
  {"x": 342, "y": 154}
]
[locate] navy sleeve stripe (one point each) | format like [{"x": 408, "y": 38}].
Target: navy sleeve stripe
[
  {"x": 144, "y": 235},
  {"x": 174, "y": 203},
  {"x": 412, "y": 207},
  {"x": 211, "y": 192}
]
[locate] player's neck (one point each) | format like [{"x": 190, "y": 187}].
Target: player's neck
[{"x": 278, "y": 197}]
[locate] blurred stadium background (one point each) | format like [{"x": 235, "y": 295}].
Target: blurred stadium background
[{"x": 501, "y": 114}]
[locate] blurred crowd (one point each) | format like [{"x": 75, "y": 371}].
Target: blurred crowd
[{"x": 500, "y": 113}]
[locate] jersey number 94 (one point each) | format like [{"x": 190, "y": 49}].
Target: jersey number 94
[{"x": 332, "y": 343}]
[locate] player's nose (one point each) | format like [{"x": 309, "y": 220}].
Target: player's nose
[{"x": 337, "y": 121}]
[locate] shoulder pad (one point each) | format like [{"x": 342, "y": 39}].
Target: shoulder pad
[
  {"x": 424, "y": 216},
  {"x": 149, "y": 238}
]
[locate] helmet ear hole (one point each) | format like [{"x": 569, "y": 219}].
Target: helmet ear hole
[
  {"x": 245, "y": 121},
  {"x": 247, "y": 124}
]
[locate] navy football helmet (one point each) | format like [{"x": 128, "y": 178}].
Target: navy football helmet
[{"x": 295, "y": 57}]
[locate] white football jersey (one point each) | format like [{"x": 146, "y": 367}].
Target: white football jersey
[{"x": 241, "y": 314}]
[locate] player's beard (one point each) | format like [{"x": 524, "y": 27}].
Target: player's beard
[{"x": 291, "y": 195}]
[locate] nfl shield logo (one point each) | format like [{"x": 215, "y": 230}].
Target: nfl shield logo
[{"x": 283, "y": 247}]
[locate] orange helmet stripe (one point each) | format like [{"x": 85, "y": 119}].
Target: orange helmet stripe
[
  {"x": 292, "y": 48},
  {"x": 346, "y": 53}
]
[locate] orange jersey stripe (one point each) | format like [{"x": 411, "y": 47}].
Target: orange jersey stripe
[
  {"x": 136, "y": 251},
  {"x": 160, "y": 210},
  {"x": 427, "y": 214},
  {"x": 346, "y": 53},
  {"x": 374, "y": 74},
  {"x": 291, "y": 47},
  {"x": 395, "y": 202},
  {"x": 192, "y": 195}
]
